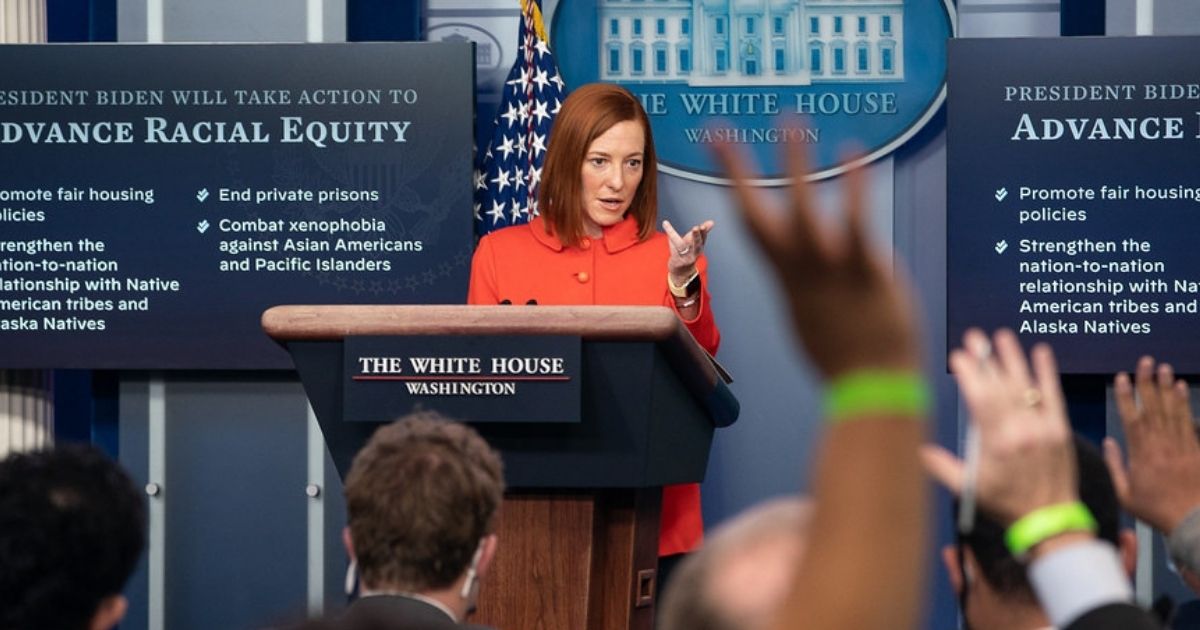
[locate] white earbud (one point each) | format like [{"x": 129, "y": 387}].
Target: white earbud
[
  {"x": 469, "y": 583},
  {"x": 351, "y": 577}
]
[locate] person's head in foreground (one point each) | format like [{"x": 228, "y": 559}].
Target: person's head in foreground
[
  {"x": 743, "y": 572},
  {"x": 993, "y": 586},
  {"x": 72, "y": 527},
  {"x": 421, "y": 500},
  {"x": 600, "y": 165}
]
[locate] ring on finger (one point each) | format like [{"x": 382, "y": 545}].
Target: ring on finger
[
  {"x": 684, "y": 250},
  {"x": 1032, "y": 397},
  {"x": 983, "y": 354}
]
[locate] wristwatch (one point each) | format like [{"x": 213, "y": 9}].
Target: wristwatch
[{"x": 691, "y": 287}]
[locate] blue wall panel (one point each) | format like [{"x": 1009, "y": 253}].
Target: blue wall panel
[{"x": 81, "y": 20}]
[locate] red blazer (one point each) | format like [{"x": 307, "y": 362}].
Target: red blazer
[{"x": 523, "y": 263}]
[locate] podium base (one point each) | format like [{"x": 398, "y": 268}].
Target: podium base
[{"x": 574, "y": 559}]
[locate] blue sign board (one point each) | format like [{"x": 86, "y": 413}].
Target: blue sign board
[
  {"x": 834, "y": 75},
  {"x": 155, "y": 200},
  {"x": 1073, "y": 196}
]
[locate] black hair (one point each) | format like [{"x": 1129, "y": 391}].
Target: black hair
[{"x": 72, "y": 527}]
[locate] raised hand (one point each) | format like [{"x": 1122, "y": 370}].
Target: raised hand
[
  {"x": 1026, "y": 451},
  {"x": 854, "y": 318},
  {"x": 848, "y": 307},
  {"x": 685, "y": 250},
  {"x": 1162, "y": 483}
]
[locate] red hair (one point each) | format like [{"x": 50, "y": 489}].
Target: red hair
[{"x": 587, "y": 114}]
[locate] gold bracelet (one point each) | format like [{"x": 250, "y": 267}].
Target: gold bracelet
[{"x": 681, "y": 291}]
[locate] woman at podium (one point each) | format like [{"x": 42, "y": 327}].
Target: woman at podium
[{"x": 595, "y": 242}]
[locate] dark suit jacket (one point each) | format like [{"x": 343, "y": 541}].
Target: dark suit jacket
[
  {"x": 1186, "y": 616},
  {"x": 1115, "y": 617},
  {"x": 395, "y": 612}
]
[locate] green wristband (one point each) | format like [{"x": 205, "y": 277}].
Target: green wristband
[
  {"x": 869, "y": 392},
  {"x": 1047, "y": 522}
]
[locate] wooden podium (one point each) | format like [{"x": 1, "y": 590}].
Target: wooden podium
[{"x": 579, "y": 526}]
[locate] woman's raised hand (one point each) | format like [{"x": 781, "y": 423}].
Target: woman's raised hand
[{"x": 685, "y": 250}]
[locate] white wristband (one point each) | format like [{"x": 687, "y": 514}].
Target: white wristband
[
  {"x": 1079, "y": 578},
  {"x": 1184, "y": 542}
]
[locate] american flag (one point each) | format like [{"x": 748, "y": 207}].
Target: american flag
[{"x": 509, "y": 170}]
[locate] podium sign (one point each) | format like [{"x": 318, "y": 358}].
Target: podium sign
[{"x": 471, "y": 378}]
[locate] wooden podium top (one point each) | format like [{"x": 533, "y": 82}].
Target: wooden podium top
[{"x": 332, "y": 322}]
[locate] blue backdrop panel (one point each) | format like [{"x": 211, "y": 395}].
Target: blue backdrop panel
[
  {"x": 1073, "y": 196},
  {"x": 375, "y": 21},
  {"x": 156, "y": 199},
  {"x": 235, "y": 541},
  {"x": 81, "y": 20}
]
